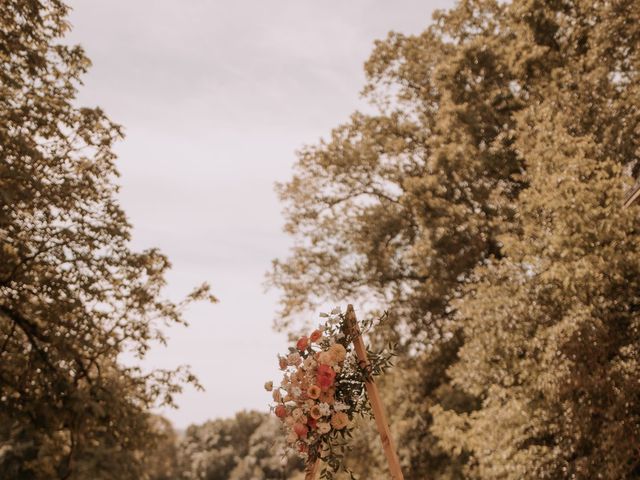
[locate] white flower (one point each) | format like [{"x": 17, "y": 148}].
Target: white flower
[
  {"x": 349, "y": 362},
  {"x": 325, "y": 409},
  {"x": 296, "y": 392},
  {"x": 324, "y": 427},
  {"x": 339, "y": 406},
  {"x": 333, "y": 320}
]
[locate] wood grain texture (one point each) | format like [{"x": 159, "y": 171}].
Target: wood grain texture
[
  {"x": 374, "y": 398},
  {"x": 632, "y": 195}
]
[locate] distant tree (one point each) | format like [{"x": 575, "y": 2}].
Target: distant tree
[
  {"x": 73, "y": 295},
  {"x": 265, "y": 459},
  {"x": 161, "y": 461},
  {"x": 406, "y": 207},
  {"x": 246, "y": 447}
]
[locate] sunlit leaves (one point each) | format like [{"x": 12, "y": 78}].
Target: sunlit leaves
[{"x": 481, "y": 204}]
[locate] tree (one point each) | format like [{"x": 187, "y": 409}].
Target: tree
[
  {"x": 211, "y": 451},
  {"x": 247, "y": 446},
  {"x": 161, "y": 462},
  {"x": 265, "y": 458},
  {"x": 553, "y": 331},
  {"x": 73, "y": 295},
  {"x": 406, "y": 207}
]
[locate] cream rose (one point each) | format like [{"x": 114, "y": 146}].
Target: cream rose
[
  {"x": 323, "y": 427},
  {"x": 315, "y": 412},
  {"x": 339, "y": 420},
  {"x": 314, "y": 391},
  {"x": 326, "y": 358}
]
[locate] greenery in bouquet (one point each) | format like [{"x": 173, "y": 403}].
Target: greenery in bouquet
[{"x": 323, "y": 390}]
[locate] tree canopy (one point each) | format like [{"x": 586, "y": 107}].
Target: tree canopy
[
  {"x": 73, "y": 295},
  {"x": 248, "y": 446}
]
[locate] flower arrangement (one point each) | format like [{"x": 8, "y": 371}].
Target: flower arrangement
[{"x": 323, "y": 391}]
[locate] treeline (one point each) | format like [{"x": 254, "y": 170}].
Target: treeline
[{"x": 249, "y": 446}]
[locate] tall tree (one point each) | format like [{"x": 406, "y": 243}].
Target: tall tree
[
  {"x": 400, "y": 206},
  {"x": 247, "y": 446},
  {"x": 73, "y": 295},
  {"x": 552, "y": 331},
  {"x": 408, "y": 205}
]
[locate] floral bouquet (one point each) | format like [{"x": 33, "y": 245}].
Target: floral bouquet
[{"x": 323, "y": 390}]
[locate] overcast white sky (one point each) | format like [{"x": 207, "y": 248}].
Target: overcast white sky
[{"x": 215, "y": 97}]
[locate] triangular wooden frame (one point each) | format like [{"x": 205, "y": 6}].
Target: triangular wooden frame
[{"x": 376, "y": 404}]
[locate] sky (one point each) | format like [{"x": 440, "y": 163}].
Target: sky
[{"x": 216, "y": 97}]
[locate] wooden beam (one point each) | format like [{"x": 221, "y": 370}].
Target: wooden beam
[
  {"x": 632, "y": 195},
  {"x": 374, "y": 397},
  {"x": 311, "y": 470}
]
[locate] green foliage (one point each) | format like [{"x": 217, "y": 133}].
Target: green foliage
[
  {"x": 552, "y": 330},
  {"x": 161, "y": 462},
  {"x": 481, "y": 204},
  {"x": 247, "y": 447},
  {"x": 73, "y": 296}
]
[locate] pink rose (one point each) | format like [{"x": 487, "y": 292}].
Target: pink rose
[
  {"x": 326, "y": 376},
  {"x": 301, "y": 430},
  {"x": 302, "y": 344},
  {"x": 281, "y": 411},
  {"x": 315, "y": 336}
]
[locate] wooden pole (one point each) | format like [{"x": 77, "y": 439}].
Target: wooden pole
[
  {"x": 311, "y": 470},
  {"x": 374, "y": 398},
  {"x": 632, "y": 195}
]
